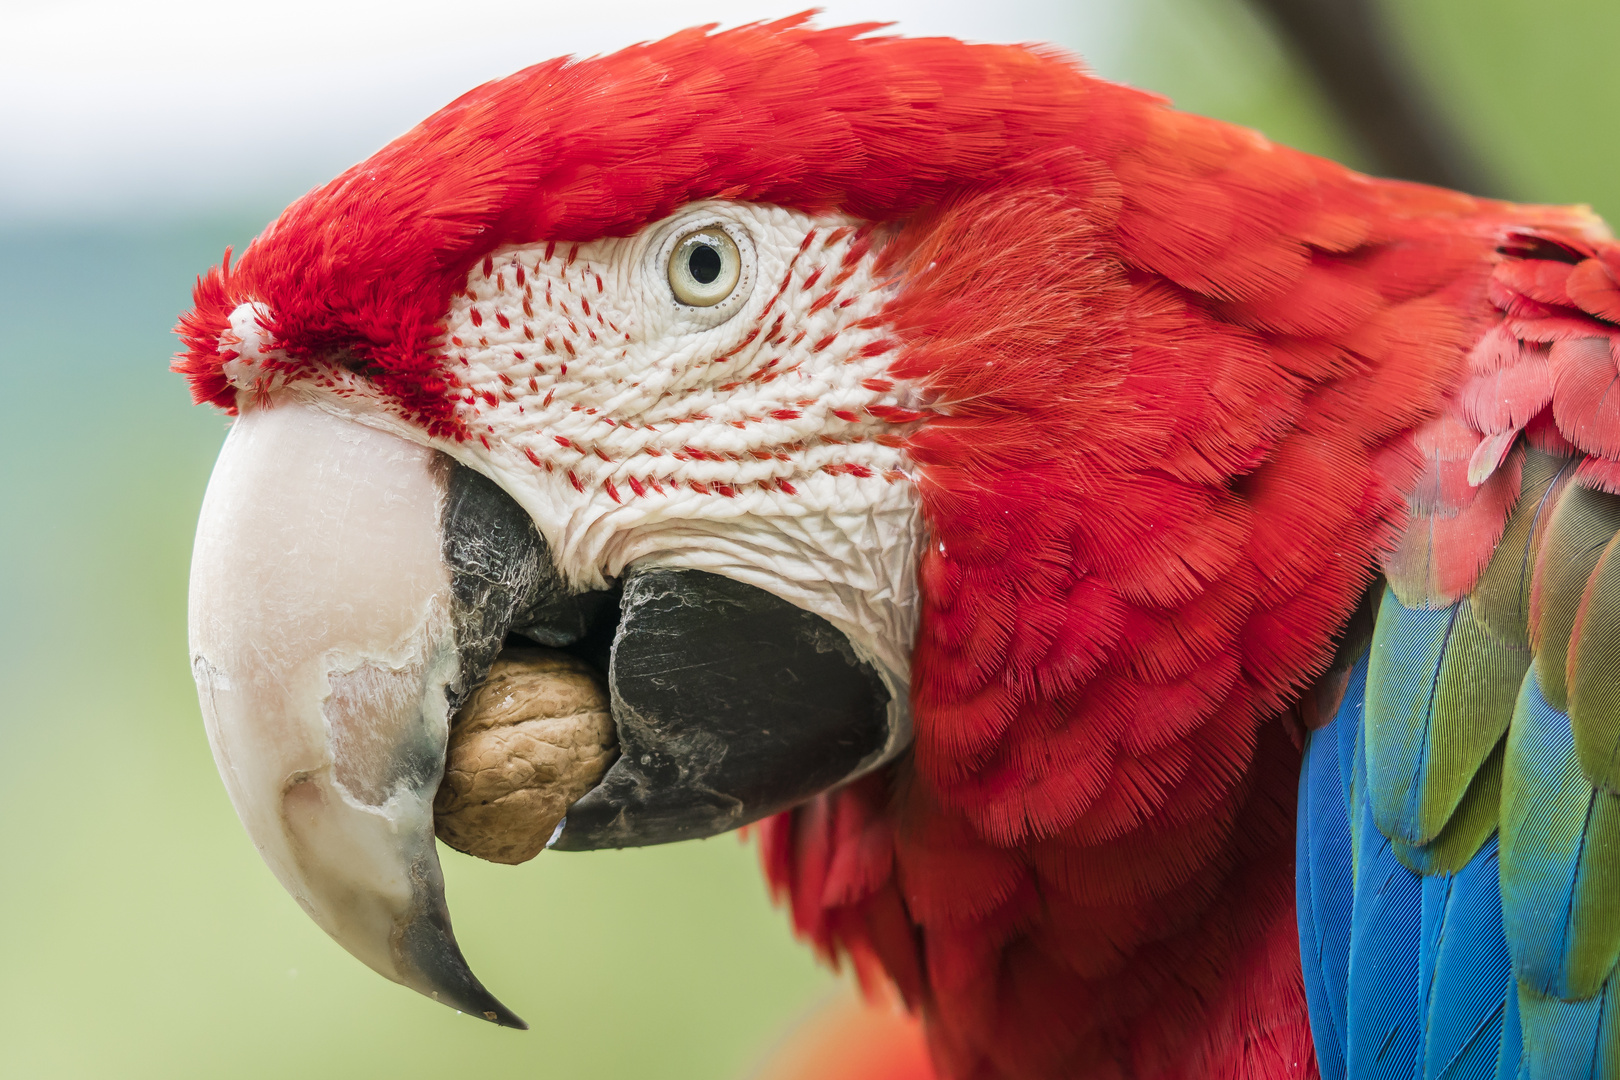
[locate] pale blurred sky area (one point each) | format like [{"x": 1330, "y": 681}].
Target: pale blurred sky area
[
  {"x": 173, "y": 109},
  {"x": 181, "y": 107}
]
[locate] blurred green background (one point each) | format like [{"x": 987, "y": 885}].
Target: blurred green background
[{"x": 139, "y": 933}]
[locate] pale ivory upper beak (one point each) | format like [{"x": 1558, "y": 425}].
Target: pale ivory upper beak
[{"x": 322, "y": 643}]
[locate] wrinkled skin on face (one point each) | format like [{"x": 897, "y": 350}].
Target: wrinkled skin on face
[
  {"x": 748, "y": 438},
  {"x": 758, "y": 438}
]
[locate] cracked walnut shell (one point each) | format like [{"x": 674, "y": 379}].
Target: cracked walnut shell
[{"x": 530, "y": 741}]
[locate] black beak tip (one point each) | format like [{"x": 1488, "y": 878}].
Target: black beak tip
[
  {"x": 476, "y": 1001},
  {"x": 438, "y": 970},
  {"x": 502, "y": 1016}
]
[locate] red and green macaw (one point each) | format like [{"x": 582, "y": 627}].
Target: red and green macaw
[{"x": 1157, "y": 590}]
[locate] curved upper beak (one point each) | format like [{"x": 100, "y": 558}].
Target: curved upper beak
[
  {"x": 350, "y": 589},
  {"x": 325, "y": 649}
]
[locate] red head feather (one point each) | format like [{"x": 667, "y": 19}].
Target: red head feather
[{"x": 576, "y": 150}]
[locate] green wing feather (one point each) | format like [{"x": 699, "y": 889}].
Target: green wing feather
[
  {"x": 1592, "y": 673},
  {"x": 1441, "y": 688},
  {"x": 1501, "y": 714}
]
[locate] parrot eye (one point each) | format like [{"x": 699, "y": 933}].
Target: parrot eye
[{"x": 704, "y": 267}]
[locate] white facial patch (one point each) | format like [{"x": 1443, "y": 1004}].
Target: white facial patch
[{"x": 756, "y": 437}]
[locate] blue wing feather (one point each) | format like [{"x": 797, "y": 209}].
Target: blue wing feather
[
  {"x": 1546, "y": 823},
  {"x": 1568, "y": 1039},
  {"x": 1552, "y": 820},
  {"x": 1435, "y": 948},
  {"x": 1511, "y": 1061},
  {"x": 1406, "y": 976},
  {"x": 1324, "y": 883},
  {"x": 1383, "y": 1009},
  {"x": 1467, "y": 973}
]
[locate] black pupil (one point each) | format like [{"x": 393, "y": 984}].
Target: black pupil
[{"x": 703, "y": 264}]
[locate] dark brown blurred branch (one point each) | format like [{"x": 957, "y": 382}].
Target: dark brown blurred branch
[{"x": 1349, "y": 47}]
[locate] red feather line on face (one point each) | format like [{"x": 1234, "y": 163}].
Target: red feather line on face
[{"x": 1188, "y": 389}]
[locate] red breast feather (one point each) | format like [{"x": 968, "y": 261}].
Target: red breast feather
[{"x": 1188, "y": 387}]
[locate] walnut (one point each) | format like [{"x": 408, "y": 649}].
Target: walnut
[{"x": 531, "y": 740}]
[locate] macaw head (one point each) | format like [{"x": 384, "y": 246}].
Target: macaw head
[{"x": 636, "y": 356}]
